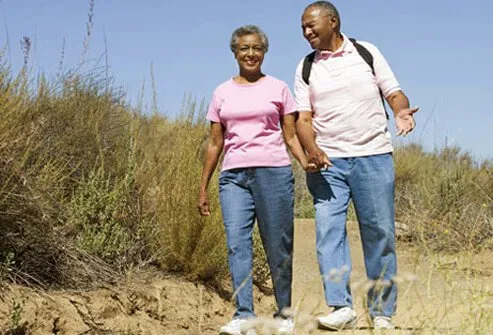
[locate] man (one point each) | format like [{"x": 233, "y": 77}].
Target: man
[{"x": 342, "y": 117}]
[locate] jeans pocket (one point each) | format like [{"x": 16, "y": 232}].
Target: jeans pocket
[
  {"x": 223, "y": 178},
  {"x": 228, "y": 176}
]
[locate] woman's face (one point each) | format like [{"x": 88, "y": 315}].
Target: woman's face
[{"x": 250, "y": 53}]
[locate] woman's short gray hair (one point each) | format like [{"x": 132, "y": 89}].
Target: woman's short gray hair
[{"x": 248, "y": 30}]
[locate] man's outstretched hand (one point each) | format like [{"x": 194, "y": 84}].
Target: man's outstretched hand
[{"x": 404, "y": 120}]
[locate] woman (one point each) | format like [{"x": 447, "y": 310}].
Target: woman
[{"x": 256, "y": 180}]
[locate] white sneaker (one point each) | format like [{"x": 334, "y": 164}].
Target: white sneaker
[
  {"x": 343, "y": 318},
  {"x": 286, "y": 327},
  {"x": 237, "y": 327},
  {"x": 382, "y": 322}
]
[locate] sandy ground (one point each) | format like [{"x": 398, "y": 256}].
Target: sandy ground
[{"x": 437, "y": 294}]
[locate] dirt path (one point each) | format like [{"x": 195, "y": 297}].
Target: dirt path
[{"x": 436, "y": 294}]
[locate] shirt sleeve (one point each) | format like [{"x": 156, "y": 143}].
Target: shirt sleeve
[
  {"x": 386, "y": 80},
  {"x": 288, "y": 103},
  {"x": 214, "y": 107},
  {"x": 301, "y": 91}
]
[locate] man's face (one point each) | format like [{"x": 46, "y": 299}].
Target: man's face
[{"x": 318, "y": 27}]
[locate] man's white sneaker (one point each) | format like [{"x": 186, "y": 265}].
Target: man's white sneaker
[
  {"x": 382, "y": 322},
  {"x": 286, "y": 327},
  {"x": 343, "y": 318},
  {"x": 237, "y": 327}
]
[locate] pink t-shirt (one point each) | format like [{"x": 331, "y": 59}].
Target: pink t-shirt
[{"x": 251, "y": 115}]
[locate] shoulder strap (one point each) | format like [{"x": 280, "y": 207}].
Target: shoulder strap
[
  {"x": 368, "y": 58},
  {"x": 364, "y": 53},
  {"x": 307, "y": 67}
]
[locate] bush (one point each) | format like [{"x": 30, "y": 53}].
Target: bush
[{"x": 445, "y": 198}]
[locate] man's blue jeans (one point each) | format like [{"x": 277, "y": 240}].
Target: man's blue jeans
[
  {"x": 369, "y": 182},
  {"x": 267, "y": 194}
]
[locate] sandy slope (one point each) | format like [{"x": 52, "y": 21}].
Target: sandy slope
[
  {"x": 437, "y": 294},
  {"x": 434, "y": 295}
]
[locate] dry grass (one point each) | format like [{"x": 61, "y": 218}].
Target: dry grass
[
  {"x": 445, "y": 198},
  {"x": 87, "y": 177}
]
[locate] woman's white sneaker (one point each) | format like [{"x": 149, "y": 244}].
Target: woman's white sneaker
[
  {"x": 342, "y": 318},
  {"x": 237, "y": 327}
]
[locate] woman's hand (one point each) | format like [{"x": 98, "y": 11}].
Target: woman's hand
[
  {"x": 203, "y": 204},
  {"x": 311, "y": 167}
]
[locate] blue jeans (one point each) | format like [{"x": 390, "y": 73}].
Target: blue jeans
[
  {"x": 369, "y": 182},
  {"x": 267, "y": 194}
]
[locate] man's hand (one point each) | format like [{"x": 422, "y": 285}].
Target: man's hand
[
  {"x": 404, "y": 120},
  {"x": 319, "y": 159},
  {"x": 203, "y": 204}
]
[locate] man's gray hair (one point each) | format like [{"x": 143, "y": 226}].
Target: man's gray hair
[
  {"x": 248, "y": 30},
  {"x": 329, "y": 8}
]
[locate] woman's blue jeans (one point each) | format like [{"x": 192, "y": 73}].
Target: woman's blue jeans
[
  {"x": 369, "y": 182},
  {"x": 267, "y": 195}
]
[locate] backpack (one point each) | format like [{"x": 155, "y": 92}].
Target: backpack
[{"x": 362, "y": 51}]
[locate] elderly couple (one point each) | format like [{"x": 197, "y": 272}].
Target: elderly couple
[{"x": 336, "y": 127}]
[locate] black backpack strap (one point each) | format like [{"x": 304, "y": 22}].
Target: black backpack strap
[
  {"x": 368, "y": 58},
  {"x": 364, "y": 53},
  {"x": 307, "y": 67}
]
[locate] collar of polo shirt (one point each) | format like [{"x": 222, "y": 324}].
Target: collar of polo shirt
[{"x": 346, "y": 47}]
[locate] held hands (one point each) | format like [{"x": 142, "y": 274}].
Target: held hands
[
  {"x": 317, "y": 159},
  {"x": 404, "y": 120},
  {"x": 203, "y": 204},
  {"x": 310, "y": 167}
]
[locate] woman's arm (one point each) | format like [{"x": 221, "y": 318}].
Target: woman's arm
[{"x": 214, "y": 149}]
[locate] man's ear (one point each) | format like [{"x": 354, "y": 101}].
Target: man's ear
[{"x": 333, "y": 21}]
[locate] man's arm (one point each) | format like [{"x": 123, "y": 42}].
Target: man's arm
[
  {"x": 392, "y": 92},
  {"x": 306, "y": 136},
  {"x": 304, "y": 129},
  {"x": 403, "y": 114},
  {"x": 288, "y": 123}
]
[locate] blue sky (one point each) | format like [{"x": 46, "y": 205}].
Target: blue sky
[{"x": 440, "y": 51}]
